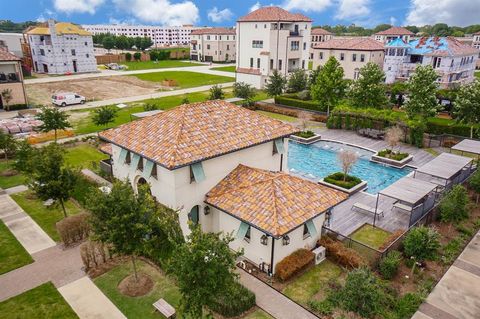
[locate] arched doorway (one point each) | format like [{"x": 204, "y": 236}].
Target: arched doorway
[
  {"x": 194, "y": 215},
  {"x": 141, "y": 182}
]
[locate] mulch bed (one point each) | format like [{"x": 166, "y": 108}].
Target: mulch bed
[{"x": 136, "y": 287}]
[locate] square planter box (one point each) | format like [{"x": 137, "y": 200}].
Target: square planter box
[
  {"x": 391, "y": 162},
  {"x": 351, "y": 191},
  {"x": 303, "y": 140}
]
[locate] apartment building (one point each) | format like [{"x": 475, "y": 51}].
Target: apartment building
[
  {"x": 268, "y": 39},
  {"x": 13, "y": 43},
  {"x": 11, "y": 79},
  {"x": 160, "y": 36},
  {"x": 213, "y": 45},
  {"x": 60, "y": 48},
  {"x": 351, "y": 53},
  {"x": 392, "y": 34},
  {"x": 476, "y": 40},
  {"x": 454, "y": 61}
]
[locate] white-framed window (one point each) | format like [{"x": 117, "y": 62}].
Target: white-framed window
[
  {"x": 257, "y": 44},
  {"x": 294, "y": 45}
]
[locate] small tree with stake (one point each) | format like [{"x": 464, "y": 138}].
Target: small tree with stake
[
  {"x": 7, "y": 97},
  {"x": 276, "y": 84},
  {"x": 8, "y": 145},
  {"x": 393, "y": 135},
  {"x": 53, "y": 120},
  {"x": 104, "y": 115},
  {"x": 216, "y": 93},
  {"x": 347, "y": 159}
]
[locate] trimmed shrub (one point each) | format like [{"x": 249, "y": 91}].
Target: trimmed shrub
[
  {"x": 388, "y": 266},
  {"x": 73, "y": 229},
  {"x": 16, "y": 107},
  {"x": 128, "y": 56},
  {"x": 137, "y": 56},
  {"x": 347, "y": 257},
  {"x": 304, "y": 95},
  {"x": 294, "y": 101},
  {"x": 293, "y": 264},
  {"x": 422, "y": 243},
  {"x": 234, "y": 302},
  {"x": 94, "y": 254},
  {"x": 393, "y": 155},
  {"x": 337, "y": 179},
  {"x": 305, "y": 134},
  {"x": 439, "y": 126}
]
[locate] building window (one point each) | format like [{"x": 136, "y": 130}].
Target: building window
[
  {"x": 251, "y": 62},
  {"x": 86, "y": 44},
  {"x": 356, "y": 74},
  {"x": 320, "y": 55},
  {"x": 42, "y": 52},
  {"x": 208, "y": 46},
  {"x": 304, "y": 46},
  {"x": 88, "y": 55},
  {"x": 271, "y": 64},
  {"x": 73, "y": 52},
  {"x": 303, "y": 64},
  {"x": 140, "y": 165},
  {"x": 228, "y": 47},
  {"x": 342, "y": 56},
  {"x": 354, "y": 57},
  {"x": 208, "y": 37},
  {"x": 197, "y": 173},
  {"x": 280, "y": 64},
  {"x": 128, "y": 158},
  {"x": 258, "y": 63},
  {"x": 248, "y": 234},
  {"x": 294, "y": 45},
  {"x": 257, "y": 44},
  {"x": 362, "y": 57},
  {"x": 306, "y": 233}
]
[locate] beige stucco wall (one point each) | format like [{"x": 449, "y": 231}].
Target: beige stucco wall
[
  {"x": 222, "y": 47},
  {"x": 18, "y": 94}
]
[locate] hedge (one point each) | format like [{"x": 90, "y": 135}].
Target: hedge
[
  {"x": 16, "y": 107},
  {"x": 345, "y": 256},
  {"x": 293, "y": 264},
  {"x": 74, "y": 229},
  {"x": 440, "y": 126},
  {"x": 234, "y": 302},
  {"x": 337, "y": 179},
  {"x": 293, "y": 100}
]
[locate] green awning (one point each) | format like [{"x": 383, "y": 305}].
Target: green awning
[
  {"x": 147, "y": 169},
  {"x": 279, "y": 146},
  {"x": 198, "y": 172},
  {"x": 242, "y": 231},
  {"x": 311, "y": 228},
  {"x": 123, "y": 156},
  {"x": 135, "y": 160}
]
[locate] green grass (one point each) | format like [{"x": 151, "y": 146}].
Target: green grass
[
  {"x": 45, "y": 217},
  {"x": 277, "y": 116},
  {"x": 230, "y": 68},
  {"x": 371, "y": 236},
  {"x": 83, "y": 156},
  {"x": 139, "y": 307},
  {"x": 258, "y": 314},
  {"x": 42, "y": 302},
  {"x": 163, "y": 64},
  {"x": 477, "y": 74},
  {"x": 432, "y": 151},
  {"x": 9, "y": 181},
  {"x": 12, "y": 254},
  {"x": 313, "y": 282},
  {"x": 185, "y": 79}
]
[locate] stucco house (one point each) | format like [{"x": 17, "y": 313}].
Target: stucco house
[
  {"x": 392, "y": 34},
  {"x": 224, "y": 167},
  {"x": 213, "y": 45},
  {"x": 11, "y": 79},
  {"x": 319, "y": 35}
]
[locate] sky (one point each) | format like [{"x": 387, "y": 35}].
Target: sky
[{"x": 367, "y": 13}]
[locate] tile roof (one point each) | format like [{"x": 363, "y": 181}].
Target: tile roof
[
  {"x": 275, "y": 202},
  {"x": 360, "y": 44},
  {"x": 272, "y": 14},
  {"x": 61, "y": 28},
  {"x": 436, "y": 46},
  {"x": 320, "y": 31},
  {"x": 220, "y": 31},
  {"x": 395, "y": 31},
  {"x": 106, "y": 148},
  {"x": 7, "y": 56},
  {"x": 194, "y": 132}
]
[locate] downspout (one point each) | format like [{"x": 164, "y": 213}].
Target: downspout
[
  {"x": 278, "y": 38},
  {"x": 272, "y": 256}
]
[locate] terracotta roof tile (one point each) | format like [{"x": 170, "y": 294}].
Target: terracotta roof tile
[
  {"x": 361, "y": 44},
  {"x": 395, "y": 31},
  {"x": 106, "y": 148},
  {"x": 220, "y": 31},
  {"x": 7, "y": 56},
  {"x": 273, "y": 14},
  {"x": 194, "y": 132},
  {"x": 275, "y": 202},
  {"x": 320, "y": 31}
]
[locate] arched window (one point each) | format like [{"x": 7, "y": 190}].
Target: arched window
[
  {"x": 194, "y": 214},
  {"x": 356, "y": 73},
  {"x": 142, "y": 181}
]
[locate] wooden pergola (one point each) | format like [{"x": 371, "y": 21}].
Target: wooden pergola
[{"x": 468, "y": 146}]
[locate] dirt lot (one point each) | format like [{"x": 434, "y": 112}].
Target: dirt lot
[{"x": 103, "y": 88}]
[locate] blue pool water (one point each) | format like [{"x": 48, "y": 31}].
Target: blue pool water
[{"x": 318, "y": 160}]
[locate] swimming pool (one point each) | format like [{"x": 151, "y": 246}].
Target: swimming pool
[{"x": 318, "y": 160}]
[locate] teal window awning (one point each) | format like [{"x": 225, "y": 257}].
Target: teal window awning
[
  {"x": 135, "y": 160},
  {"x": 242, "y": 231},
  {"x": 123, "y": 156},
  {"x": 148, "y": 168},
  {"x": 311, "y": 228},
  {"x": 198, "y": 173},
  {"x": 279, "y": 146}
]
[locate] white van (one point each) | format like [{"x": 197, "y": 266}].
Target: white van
[{"x": 64, "y": 99}]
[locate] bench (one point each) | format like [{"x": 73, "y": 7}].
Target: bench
[
  {"x": 403, "y": 207},
  {"x": 164, "y": 308},
  {"x": 365, "y": 208}
]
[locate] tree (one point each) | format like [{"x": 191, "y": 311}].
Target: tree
[
  {"x": 108, "y": 43},
  {"x": 128, "y": 56},
  {"x": 104, "y": 115},
  {"x": 137, "y": 56},
  {"x": 7, "y": 96},
  {"x": 25, "y": 158},
  {"x": 53, "y": 120},
  {"x": 453, "y": 207},
  {"x": 49, "y": 178},
  {"x": 204, "y": 268},
  {"x": 244, "y": 90},
  {"x": 312, "y": 77},
  {"x": 369, "y": 89},
  {"x": 329, "y": 87},
  {"x": 421, "y": 243},
  {"x": 150, "y": 107},
  {"x": 474, "y": 183},
  {"x": 298, "y": 81},
  {"x": 275, "y": 84},
  {"x": 121, "y": 42},
  {"x": 138, "y": 42},
  {"x": 347, "y": 159},
  {"x": 467, "y": 105},
  {"x": 8, "y": 145},
  {"x": 145, "y": 43},
  {"x": 393, "y": 135},
  {"x": 216, "y": 93},
  {"x": 422, "y": 88},
  {"x": 185, "y": 100},
  {"x": 303, "y": 120}
]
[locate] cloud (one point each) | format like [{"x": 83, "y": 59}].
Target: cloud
[
  {"x": 306, "y": 5},
  {"x": 256, "y": 6},
  {"x": 162, "y": 12},
  {"x": 452, "y": 12},
  {"x": 352, "y": 9},
  {"x": 218, "y": 16},
  {"x": 79, "y": 6},
  {"x": 393, "y": 21}
]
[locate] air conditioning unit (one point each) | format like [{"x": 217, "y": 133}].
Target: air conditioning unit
[{"x": 320, "y": 254}]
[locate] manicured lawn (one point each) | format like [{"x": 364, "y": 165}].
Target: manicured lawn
[
  {"x": 230, "y": 68},
  {"x": 258, "y": 314},
  {"x": 45, "y": 217},
  {"x": 477, "y": 74},
  {"x": 277, "y": 116},
  {"x": 163, "y": 64},
  {"x": 371, "y": 236},
  {"x": 82, "y": 156},
  {"x": 7, "y": 181},
  {"x": 185, "y": 79},
  {"x": 139, "y": 307},
  {"x": 42, "y": 302},
  {"x": 12, "y": 254},
  {"x": 312, "y": 283}
]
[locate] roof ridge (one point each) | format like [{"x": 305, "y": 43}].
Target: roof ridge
[{"x": 179, "y": 134}]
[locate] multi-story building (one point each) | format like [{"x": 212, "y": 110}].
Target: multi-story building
[
  {"x": 476, "y": 40},
  {"x": 59, "y": 48},
  {"x": 392, "y": 34},
  {"x": 351, "y": 53},
  {"x": 453, "y": 61},
  {"x": 213, "y": 45},
  {"x": 319, "y": 35},
  {"x": 160, "y": 36},
  {"x": 268, "y": 39},
  {"x": 13, "y": 43},
  {"x": 11, "y": 79}
]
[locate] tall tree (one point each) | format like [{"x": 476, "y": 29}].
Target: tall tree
[
  {"x": 298, "y": 81},
  {"x": 53, "y": 120},
  {"x": 108, "y": 42},
  {"x": 104, "y": 115},
  {"x": 330, "y": 86},
  {"x": 145, "y": 43},
  {"x": 275, "y": 84},
  {"x": 8, "y": 145},
  {"x": 467, "y": 105},
  {"x": 422, "y": 88},
  {"x": 204, "y": 267},
  {"x": 369, "y": 89}
]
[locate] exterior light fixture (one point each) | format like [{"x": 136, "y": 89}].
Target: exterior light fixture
[
  {"x": 264, "y": 240},
  {"x": 206, "y": 210},
  {"x": 285, "y": 240}
]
